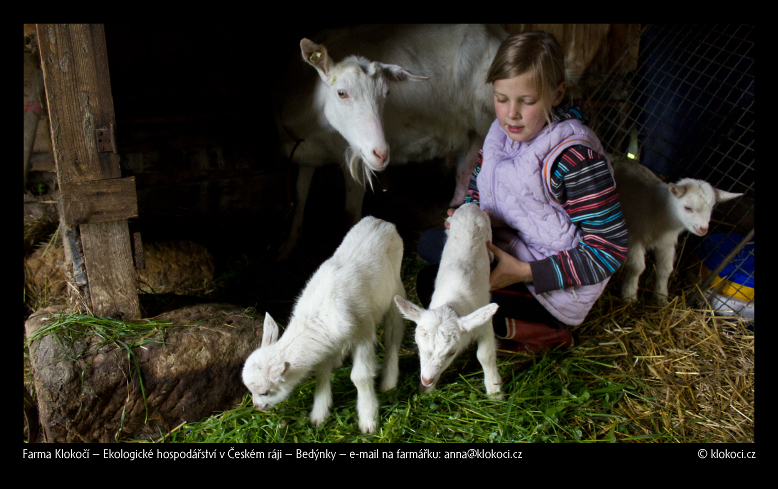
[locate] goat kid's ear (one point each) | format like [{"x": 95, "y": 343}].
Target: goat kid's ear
[
  {"x": 399, "y": 73},
  {"x": 316, "y": 56},
  {"x": 723, "y": 196},
  {"x": 677, "y": 190},
  {"x": 278, "y": 372},
  {"x": 408, "y": 309},
  {"x": 269, "y": 331},
  {"x": 477, "y": 318}
]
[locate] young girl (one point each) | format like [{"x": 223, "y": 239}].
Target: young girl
[{"x": 558, "y": 230}]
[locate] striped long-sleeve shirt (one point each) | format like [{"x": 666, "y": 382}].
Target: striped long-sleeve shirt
[{"x": 582, "y": 184}]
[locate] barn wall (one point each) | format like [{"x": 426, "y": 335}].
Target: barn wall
[
  {"x": 194, "y": 124},
  {"x": 591, "y": 50}
]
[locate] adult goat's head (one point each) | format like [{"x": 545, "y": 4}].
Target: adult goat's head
[{"x": 354, "y": 104}]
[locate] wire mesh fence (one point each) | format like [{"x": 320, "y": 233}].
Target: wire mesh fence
[{"x": 681, "y": 101}]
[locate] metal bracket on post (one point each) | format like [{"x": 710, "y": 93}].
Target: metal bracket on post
[
  {"x": 106, "y": 140},
  {"x": 137, "y": 251}
]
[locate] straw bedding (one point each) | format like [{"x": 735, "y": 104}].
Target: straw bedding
[{"x": 700, "y": 366}]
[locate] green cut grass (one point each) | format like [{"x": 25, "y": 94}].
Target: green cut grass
[{"x": 558, "y": 397}]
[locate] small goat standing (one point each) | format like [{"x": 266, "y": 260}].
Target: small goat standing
[
  {"x": 656, "y": 214},
  {"x": 440, "y": 105},
  {"x": 459, "y": 311},
  {"x": 337, "y": 311}
]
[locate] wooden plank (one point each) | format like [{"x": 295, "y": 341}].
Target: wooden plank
[
  {"x": 108, "y": 257},
  {"x": 78, "y": 92},
  {"x": 99, "y": 201},
  {"x": 624, "y": 37}
]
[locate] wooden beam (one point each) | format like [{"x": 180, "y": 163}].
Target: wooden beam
[
  {"x": 78, "y": 91},
  {"x": 99, "y": 201}
]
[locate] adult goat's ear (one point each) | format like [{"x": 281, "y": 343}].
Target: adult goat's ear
[
  {"x": 397, "y": 72},
  {"x": 316, "y": 56}
]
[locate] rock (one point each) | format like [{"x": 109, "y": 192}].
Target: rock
[{"x": 88, "y": 393}]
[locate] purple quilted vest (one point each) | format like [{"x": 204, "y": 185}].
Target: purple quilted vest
[{"x": 513, "y": 186}]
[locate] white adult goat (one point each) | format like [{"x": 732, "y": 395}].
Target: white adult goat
[
  {"x": 656, "y": 213},
  {"x": 346, "y": 111},
  {"x": 459, "y": 311},
  {"x": 337, "y": 311}
]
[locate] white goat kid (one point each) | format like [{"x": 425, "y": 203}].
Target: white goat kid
[
  {"x": 656, "y": 213},
  {"x": 346, "y": 110},
  {"x": 459, "y": 311},
  {"x": 337, "y": 312}
]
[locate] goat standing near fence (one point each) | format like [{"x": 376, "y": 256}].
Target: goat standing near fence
[
  {"x": 656, "y": 214},
  {"x": 439, "y": 104}
]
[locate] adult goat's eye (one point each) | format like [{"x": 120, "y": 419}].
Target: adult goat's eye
[{"x": 342, "y": 94}]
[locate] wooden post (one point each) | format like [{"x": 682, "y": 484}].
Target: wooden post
[{"x": 95, "y": 200}]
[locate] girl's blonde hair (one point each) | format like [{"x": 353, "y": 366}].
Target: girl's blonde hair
[{"x": 534, "y": 52}]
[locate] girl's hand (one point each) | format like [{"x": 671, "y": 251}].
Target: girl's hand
[
  {"x": 509, "y": 270},
  {"x": 450, "y": 213}
]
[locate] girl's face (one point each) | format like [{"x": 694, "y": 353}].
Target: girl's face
[{"x": 521, "y": 112}]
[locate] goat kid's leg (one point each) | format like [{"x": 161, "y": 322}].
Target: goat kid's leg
[
  {"x": 487, "y": 355},
  {"x": 664, "y": 257},
  {"x": 362, "y": 375},
  {"x": 394, "y": 330},
  {"x": 304, "y": 177},
  {"x": 634, "y": 266},
  {"x": 322, "y": 397},
  {"x": 355, "y": 195},
  {"x": 465, "y": 166}
]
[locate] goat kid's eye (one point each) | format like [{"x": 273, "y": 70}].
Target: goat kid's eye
[
  {"x": 342, "y": 94},
  {"x": 687, "y": 208}
]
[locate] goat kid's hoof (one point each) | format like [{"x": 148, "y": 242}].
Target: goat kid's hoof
[
  {"x": 366, "y": 427},
  {"x": 388, "y": 387},
  {"x": 317, "y": 420},
  {"x": 495, "y": 395}
]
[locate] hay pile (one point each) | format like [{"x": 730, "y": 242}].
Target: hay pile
[
  {"x": 171, "y": 267},
  {"x": 699, "y": 365}
]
